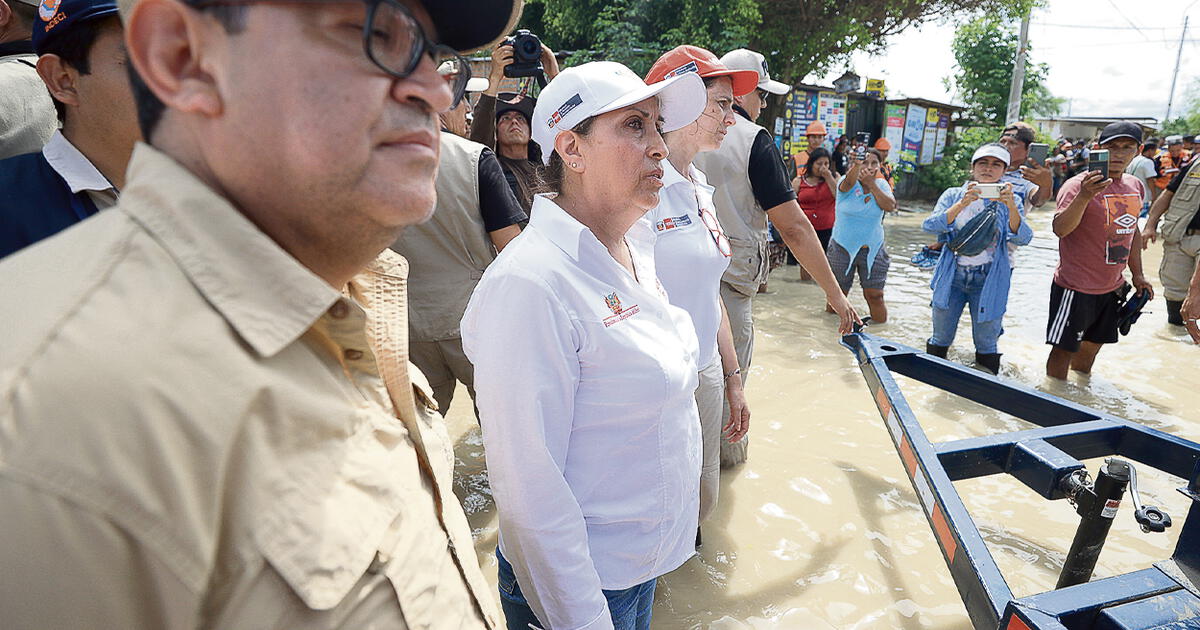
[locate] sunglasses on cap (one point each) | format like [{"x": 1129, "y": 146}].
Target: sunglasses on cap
[{"x": 392, "y": 39}]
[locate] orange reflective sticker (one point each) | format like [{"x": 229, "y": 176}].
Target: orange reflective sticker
[{"x": 942, "y": 529}]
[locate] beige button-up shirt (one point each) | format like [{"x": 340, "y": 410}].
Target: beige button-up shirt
[{"x": 198, "y": 432}]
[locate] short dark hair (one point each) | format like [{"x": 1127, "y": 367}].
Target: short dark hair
[
  {"x": 74, "y": 47},
  {"x": 26, "y": 15},
  {"x": 1189, "y": 138},
  {"x": 816, "y": 154},
  {"x": 1021, "y": 131},
  {"x": 149, "y": 109},
  {"x": 1150, "y": 146}
]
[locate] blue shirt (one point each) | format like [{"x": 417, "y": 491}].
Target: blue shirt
[
  {"x": 859, "y": 222},
  {"x": 994, "y": 299}
]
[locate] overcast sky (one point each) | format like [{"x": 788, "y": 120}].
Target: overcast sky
[{"x": 1097, "y": 58}]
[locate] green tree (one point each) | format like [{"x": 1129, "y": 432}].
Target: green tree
[{"x": 984, "y": 50}]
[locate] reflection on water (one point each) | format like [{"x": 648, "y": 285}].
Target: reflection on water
[{"x": 821, "y": 529}]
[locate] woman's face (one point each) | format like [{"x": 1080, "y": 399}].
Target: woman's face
[
  {"x": 717, "y": 117},
  {"x": 621, "y": 153},
  {"x": 987, "y": 170},
  {"x": 818, "y": 165}
]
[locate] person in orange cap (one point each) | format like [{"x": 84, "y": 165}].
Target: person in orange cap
[
  {"x": 692, "y": 252},
  {"x": 885, "y": 167},
  {"x": 816, "y": 134}
]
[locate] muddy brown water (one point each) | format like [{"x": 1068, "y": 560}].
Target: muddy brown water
[{"x": 821, "y": 529}]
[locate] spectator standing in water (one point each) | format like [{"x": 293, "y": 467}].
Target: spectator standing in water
[
  {"x": 856, "y": 244},
  {"x": 974, "y": 268},
  {"x": 816, "y": 188}
]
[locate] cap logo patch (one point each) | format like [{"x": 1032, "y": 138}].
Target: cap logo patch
[
  {"x": 684, "y": 69},
  {"x": 47, "y": 9},
  {"x": 563, "y": 110}
]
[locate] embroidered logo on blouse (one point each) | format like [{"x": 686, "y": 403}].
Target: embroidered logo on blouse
[
  {"x": 670, "y": 223},
  {"x": 620, "y": 313}
]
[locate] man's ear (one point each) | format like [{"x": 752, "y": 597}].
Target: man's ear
[
  {"x": 7, "y": 17},
  {"x": 170, "y": 45},
  {"x": 60, "y": 79}
]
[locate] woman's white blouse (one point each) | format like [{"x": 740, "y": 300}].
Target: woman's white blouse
[
  {"x": 584, "y": 379},
  {"x": 687, "y": 256}
]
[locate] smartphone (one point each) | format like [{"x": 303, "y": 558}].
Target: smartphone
[
  {"x": 1098, "y": 161},
  {"x": 989, "y": 191},
  {"x": 860, "y": 152},
  {"x": 1038, "y": 153}
]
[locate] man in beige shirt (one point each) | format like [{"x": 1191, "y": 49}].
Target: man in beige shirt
[{"x": 206, "y": 412}]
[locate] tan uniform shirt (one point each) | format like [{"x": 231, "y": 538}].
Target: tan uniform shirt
[{"x": 198, "y": 432}]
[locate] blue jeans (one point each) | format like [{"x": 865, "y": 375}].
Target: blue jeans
[
  {"x": 630, "y": 608},
  {"x": 967, "y": 288}
]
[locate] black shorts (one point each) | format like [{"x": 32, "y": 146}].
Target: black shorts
[{"x": 1076, "y": 317}]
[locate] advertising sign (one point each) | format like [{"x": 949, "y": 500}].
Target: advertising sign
[
  {"x": 929, "y": 141},
  {"x": 893, "y": 130},
  {"x": 831, "y": 110},
  {"x": 914, "y": 133},
  {"x": 876, "y": 88}
]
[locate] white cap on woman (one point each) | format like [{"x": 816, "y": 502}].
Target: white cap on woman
[{"x": 598, "y": 87}]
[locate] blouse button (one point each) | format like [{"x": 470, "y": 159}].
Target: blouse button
[{"x": 352, "y": 354}]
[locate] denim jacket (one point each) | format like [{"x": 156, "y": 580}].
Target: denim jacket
[{"x": 995, "y": 288}]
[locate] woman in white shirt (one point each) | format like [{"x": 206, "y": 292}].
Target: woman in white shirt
[
  {"x": 691, "y": 253},
  {"x": 584, "y": 372}
]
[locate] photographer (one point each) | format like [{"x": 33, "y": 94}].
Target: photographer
[{"x": 518, "y": 158}]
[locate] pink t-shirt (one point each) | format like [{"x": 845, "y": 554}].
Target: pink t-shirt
[{"x": 1093, "y": 257}]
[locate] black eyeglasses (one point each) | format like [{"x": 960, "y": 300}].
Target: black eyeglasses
[{"x": 394, "y": 41}]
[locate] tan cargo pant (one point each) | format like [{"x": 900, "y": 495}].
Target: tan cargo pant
[
  {"x": 1178, "y": 264},
  {"x": 741, "y": 321},
  {"x": 444, "y": 365},
  {"x": 710, "y": 396}
]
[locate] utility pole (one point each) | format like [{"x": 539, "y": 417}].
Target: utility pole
[
  {"x": 1018, "y": 77},
  {"x": 1175, "y": 75}
]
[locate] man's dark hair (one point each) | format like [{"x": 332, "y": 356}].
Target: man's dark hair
[
  {"x": 1021, "y": 131},
  {"x": 149, "y": 109},
  {"x": 74, "y": 47},
  {"x": 26, "y": 15},
  {"x": 1189, "y": 138},
  {"x": 1149, "y": 146}
]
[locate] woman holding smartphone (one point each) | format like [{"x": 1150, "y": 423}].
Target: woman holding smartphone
[
  {"x": 856, "y": 244},
  {"x": 975, "y": 223}
]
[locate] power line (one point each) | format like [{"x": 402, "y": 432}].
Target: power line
[
  {"x": 1108, "y": 28},
  {"x": 1135, "y": 26}
]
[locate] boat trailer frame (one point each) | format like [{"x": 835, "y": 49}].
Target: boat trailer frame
[{"x": 1047, "y": 460}]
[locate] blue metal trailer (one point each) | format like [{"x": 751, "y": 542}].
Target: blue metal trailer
[{"x": 1047, "y": 460}]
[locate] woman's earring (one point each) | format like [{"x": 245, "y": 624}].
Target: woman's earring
[{"x": 574, "y": 165}]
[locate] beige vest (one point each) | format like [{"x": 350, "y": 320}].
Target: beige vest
[
  {"x": 1184, "y": 205},
  {"x": 448, "y": 253},
  {"x": 744, "y": 221}
]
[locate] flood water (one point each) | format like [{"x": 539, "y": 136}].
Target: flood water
[{"x": 821, "y": 529}]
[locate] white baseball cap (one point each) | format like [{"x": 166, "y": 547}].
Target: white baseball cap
[
  {"x": 742, "y": 59},
  {"x": 598, "y": 87},
  {"x": 474, "y": 84},
  {"x": 992, "y": 149}
]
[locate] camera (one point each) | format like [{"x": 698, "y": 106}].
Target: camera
[
  {"x": 989, "y": 191},
  {"x": 527, "y": 55}
]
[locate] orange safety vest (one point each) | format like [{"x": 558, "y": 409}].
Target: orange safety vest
[{"x": 1169, "y": 167}]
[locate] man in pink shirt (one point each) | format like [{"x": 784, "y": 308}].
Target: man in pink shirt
[{"x": 1097, "y": 229}]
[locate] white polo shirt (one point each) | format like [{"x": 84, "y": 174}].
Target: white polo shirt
[
  {"x": 584, "y": 379},
  {"x": 687, "y": 256}
]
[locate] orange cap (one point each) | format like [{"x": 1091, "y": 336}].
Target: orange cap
[
  {"x": 883, "y": 145},
  {"x": 815, "y": 127},
  {"x": 683, "y": 59}
]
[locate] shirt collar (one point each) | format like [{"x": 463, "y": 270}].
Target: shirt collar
[
  {"x": 571, "y": 236},
  {"x": 671, "y": 176},
  {"x": 743, "y": 112},
  {"x": 73, "y": 166},
  {"x": 264, "y": 293}
]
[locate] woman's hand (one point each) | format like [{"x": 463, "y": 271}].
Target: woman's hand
[
  {"x": 1006, "y": 197},
  {"x": 739, "y": 412},
  {"x": 971, "y": 194}
]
